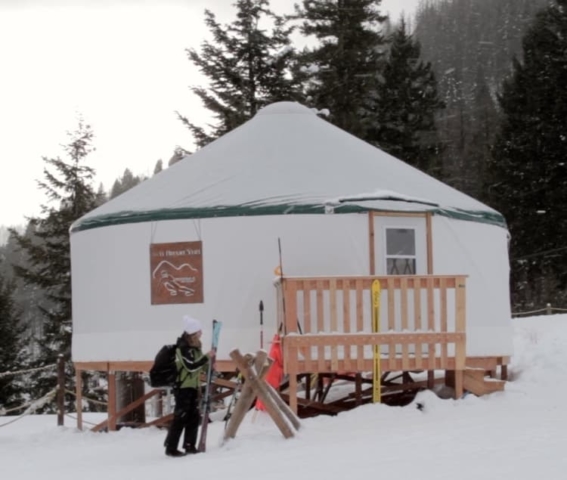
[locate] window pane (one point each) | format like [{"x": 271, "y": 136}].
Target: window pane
[
  {"x": 400, "y": 241},
  {"x": 401, "y": 266}
]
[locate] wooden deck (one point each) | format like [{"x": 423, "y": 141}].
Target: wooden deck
[
  {"x": 327, "y": 325},
  {"x": 327, "y": 330}
]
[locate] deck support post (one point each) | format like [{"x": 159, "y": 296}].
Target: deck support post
[
  {"x": 111, "y": 401},
  {"x": 79, "y": 396}
]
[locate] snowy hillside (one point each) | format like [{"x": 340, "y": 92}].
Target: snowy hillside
[{"x": 518, "y": 434}]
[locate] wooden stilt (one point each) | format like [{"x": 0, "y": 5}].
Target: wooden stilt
[
  {"x": 79, "y": 396},
  {"x": 111, "y": 401},
  {"x": 430, "y": 379},
  {"x": 358, "y": 389},
  {"x": 293, "y": 393},
  {"x": 459, "y": 389}
]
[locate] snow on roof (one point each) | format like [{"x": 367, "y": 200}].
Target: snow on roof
[{"x": 285, "y": 157}]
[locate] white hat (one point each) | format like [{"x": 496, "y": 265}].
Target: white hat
[{"x": 191, "y": 325}]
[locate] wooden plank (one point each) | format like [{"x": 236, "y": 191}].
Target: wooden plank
[
  {"x": 404, "y": 315},
  {"x": 386, "y": 338},
  {"x": 334, "y": 358},
  {"x": 429, "y": 240},
  {"x": 391, "y": 315},
  {"x": 346, "y": 306},
  {"x": 79, "y": 395},
  {"x": 391, "y": 304},
  {"x": 387, "y": 365},
  {"x": 430, "y": 315},
  {"x": 460, "y": 305},
  {"x": 443, "y": 319},
  {"x": 95, "y": 366},
  {"x": 450, "y": 280},
  {"x": 399, "y": 214},
  {"x": 290, "y": 293},
  {"x": 346, "y": 322},
  {"x": 417, "y": 322},
  {"x": 371, "y": 247},
  {"x": 487, "y": 363},
  {"x": 320, "y": 320},
  {"x": 111, "y": 401},
  {"x": 130, "y": 366},
  {"x": 333, "y": 303},
  {"x": 359, "y": 321},
  {"x": 307, "y": 307}
]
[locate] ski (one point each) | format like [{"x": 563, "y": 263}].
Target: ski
[
  {"x": 207, "y": 395},
  {"x": 377, "y": 373},
  {"x": 233, "y": 400}
]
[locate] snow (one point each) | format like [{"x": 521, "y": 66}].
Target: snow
[
  {"x": 516, "y": 434},
  {"x": 283, "y": 108},
  {"x": 380, "y": 195}
]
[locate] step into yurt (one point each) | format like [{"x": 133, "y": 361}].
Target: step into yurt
[{"x": 294, "y": 213}]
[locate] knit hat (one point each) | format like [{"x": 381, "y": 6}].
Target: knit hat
[{"x": 191, "y": 325}]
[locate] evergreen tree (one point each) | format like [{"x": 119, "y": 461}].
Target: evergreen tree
[
  {"x": 458, "y": 37},
  {"x": 342, "y": 69},
  {"x": 483, "y": 125},
  {"x": 407, "y": 101},
  {"x": 247, "y": 67},
  {"x": 101, "y": 196},
  {"x": 529, "y": 167},
  {"x": 11, "y": 349},
  {"x": 48, "y": 267},
  {"x": 127, "y": 181},
  {"x": 158, "y": 167},
  {"x": 178, "y": 154}
]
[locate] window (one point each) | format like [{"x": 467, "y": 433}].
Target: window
[{"x": 400, "y": 251}]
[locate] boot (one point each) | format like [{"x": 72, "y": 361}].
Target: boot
[
  {"x": 174, "y": 453},
  {"x": 190, "y": 449}
]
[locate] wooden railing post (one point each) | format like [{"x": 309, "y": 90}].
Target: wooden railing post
[{"x": 60, "y": 390}]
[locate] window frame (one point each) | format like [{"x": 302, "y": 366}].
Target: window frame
[{"x": 385, "y": 250}]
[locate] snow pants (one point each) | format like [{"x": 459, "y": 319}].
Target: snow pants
[{"x": 185, "y": 417}]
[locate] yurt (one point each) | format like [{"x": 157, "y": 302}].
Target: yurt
[{"x": 287, "y": 195}]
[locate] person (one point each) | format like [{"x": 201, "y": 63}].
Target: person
[{"x": 189, "y": 360}]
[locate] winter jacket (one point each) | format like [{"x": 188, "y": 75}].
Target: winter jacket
[{"x": 189, "y": 362}]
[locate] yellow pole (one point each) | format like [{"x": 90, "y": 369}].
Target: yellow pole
[{"x": 376, "y": 384}]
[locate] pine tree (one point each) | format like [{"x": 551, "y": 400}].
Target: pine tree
[
  {"x": 127, "y": 181},
  {"x": 11, "y": 350},
  {"x": 529, "y": 167},
  {"x": 407, "y": 101},
  {"x": 483, "y": 125},
  {"x": 67, "y": 184},
  {"x": 342, "y": 69},
  {"x": 178, "y": 154},
  {"x": 247, "y": 67},
  {"x": 158, "y": 167},
  {"x": 458, "y": 37}
]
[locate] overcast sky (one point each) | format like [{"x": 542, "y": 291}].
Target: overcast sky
[{"x": 120, "y": 64}]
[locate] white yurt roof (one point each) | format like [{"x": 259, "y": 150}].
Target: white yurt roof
[{"x": 286, "y": 159}]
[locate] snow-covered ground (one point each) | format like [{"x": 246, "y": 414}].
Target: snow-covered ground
[{"x": 515, "y": 435}]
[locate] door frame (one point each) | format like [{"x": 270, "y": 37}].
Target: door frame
[{"x": 428, "y": 236}]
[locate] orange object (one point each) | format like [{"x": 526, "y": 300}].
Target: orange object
[{"x": 275, "y": 373}]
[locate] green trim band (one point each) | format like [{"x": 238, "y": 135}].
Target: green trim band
[{"x": 126, "y": 217}]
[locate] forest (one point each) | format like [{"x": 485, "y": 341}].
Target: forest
[{"x": 469, "y": 91}]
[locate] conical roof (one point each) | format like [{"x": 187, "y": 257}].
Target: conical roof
[{"x": 285, "y": 160}]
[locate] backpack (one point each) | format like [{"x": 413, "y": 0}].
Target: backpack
[{"x": 164, "y": 371}]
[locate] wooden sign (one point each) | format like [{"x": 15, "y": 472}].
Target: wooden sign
[{"x": 176, "y": 272}]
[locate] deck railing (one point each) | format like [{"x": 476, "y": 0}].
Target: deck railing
[{"x": 327, "y": 324}]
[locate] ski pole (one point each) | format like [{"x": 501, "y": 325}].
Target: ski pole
[{"x": 261, "y": 325}]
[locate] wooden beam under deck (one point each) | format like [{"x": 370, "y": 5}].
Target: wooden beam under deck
[{"x": 139, "y": 366}]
